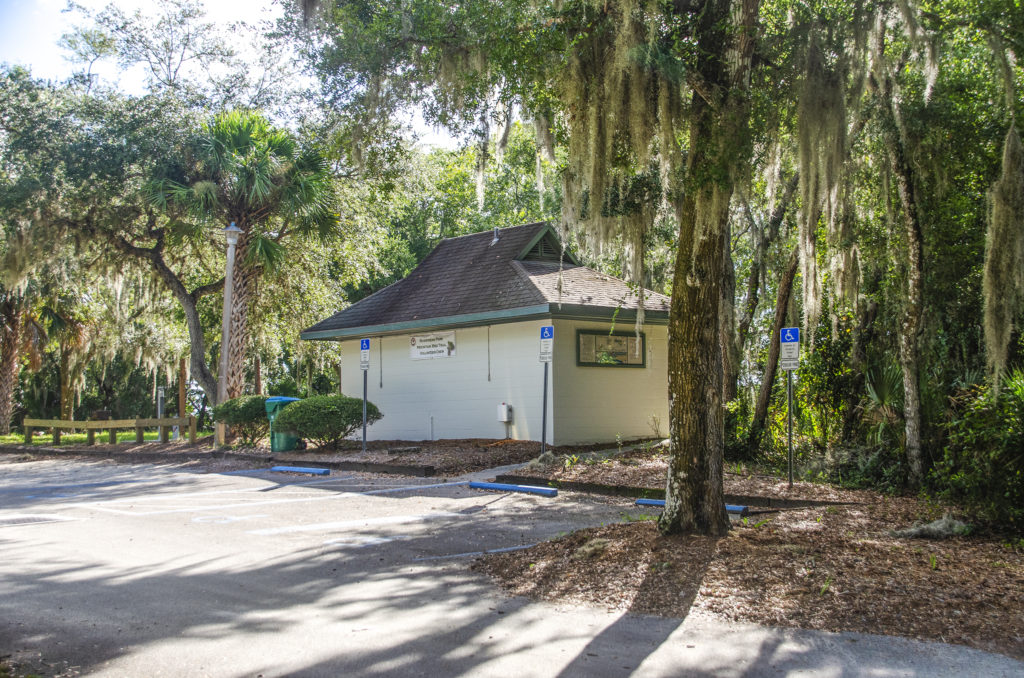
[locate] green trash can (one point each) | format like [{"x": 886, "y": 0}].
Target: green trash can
[{"x": 280, "y": 442}]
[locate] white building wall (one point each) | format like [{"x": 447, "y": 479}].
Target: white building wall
[
  {"x": 453, "y": 397},
  {"x": 597, "y": 404}
]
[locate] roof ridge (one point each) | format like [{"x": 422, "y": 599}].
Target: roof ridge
[{"x": 490, "y": 231}]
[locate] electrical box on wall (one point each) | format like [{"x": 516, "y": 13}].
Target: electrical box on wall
[{"x": 505, "y": 412}]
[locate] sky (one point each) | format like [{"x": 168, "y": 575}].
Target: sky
[{"x": 30, "y": 31}]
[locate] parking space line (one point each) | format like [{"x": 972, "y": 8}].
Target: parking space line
[{"x": 345, "y": 524}]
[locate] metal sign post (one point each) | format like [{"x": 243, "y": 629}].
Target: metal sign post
[
  {"x": 789, "y": 360},
  {"x": 364, "y": 365},
  {"x": 547, "y": 339}
]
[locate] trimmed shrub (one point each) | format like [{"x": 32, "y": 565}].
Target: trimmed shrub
[
  {"x": 246, "y": 415},
  {"x": 983, "y": 467},
  {"x": 326, "y": 419}
]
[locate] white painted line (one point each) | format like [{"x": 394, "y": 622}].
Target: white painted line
[
  {"x": 360, "y": 542},
  {"x": 215, "y": 507},
  {"x": 347, "y": 524},
  {"x": 416, "y": 487},
  {"x": 325, "y": 496},
  {"x": 223, "y": 520}
]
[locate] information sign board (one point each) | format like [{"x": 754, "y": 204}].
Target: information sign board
[
  {"x": 364, "y": 354},
  {"x": 789, "y": 353},
  {"x": 547, "y": 339}
]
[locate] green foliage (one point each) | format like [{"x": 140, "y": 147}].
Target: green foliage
[
  {"x": 884, "y": 411},
  {"x": 983, "y": 465},
  {"x": 326, "y": 419},
  {"x": 246, "y": 415}
]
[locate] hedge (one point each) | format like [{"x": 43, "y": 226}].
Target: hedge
[
  {"x": 326, "y": 419},
  {"x": 246, "y": 415}
]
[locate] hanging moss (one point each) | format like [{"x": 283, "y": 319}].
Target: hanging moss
[
  {"x": 821, "y": 137},
  {"x": 1003, "y": 281},
  {"x": 622, "y": 113}
]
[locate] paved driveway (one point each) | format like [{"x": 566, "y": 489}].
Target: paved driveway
[{"x": 148, "y": 570}]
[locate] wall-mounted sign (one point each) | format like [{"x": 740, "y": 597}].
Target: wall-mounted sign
[{"x": 430, "y": 346}]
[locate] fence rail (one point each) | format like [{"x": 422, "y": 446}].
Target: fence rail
[{"x": 112, "y": 425}]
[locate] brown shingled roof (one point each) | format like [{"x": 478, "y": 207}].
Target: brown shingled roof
[{"x": 473, "y": 275}]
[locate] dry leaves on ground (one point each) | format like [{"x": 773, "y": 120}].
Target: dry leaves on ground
[{"x": 836, "y": 568}]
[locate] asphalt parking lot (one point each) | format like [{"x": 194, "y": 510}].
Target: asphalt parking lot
[{"x": 156, "y": 570}]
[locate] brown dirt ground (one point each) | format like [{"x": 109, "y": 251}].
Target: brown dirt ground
[
  {"x": 835, "y": 568},
  {"x": 448, "y": 457}
]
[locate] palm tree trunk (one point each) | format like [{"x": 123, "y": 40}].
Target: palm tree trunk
[
  {"x": 10, "y": 351},
  {"x": 245, "y": 277}
]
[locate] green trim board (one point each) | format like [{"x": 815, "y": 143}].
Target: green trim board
[
  {"x": 595, "y": 348},
  {"x": 553, "y": 311}
]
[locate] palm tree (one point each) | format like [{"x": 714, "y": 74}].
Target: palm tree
[{"x": 247, "y": 171}]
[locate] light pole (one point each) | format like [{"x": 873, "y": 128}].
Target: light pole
[{"x": 231, "y": 235}]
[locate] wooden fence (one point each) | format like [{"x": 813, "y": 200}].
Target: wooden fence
[{"x": 112, "y": 425}]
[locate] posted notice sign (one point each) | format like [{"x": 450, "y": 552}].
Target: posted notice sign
[
  {"x": 789, "y": 353},
  {"x": 431, "y": 346},
  {"x": 547, "y": 339},
  {"x": 364, "y": 354}
]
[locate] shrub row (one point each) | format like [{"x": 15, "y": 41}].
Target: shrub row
[{"x": 326, "y": 420}]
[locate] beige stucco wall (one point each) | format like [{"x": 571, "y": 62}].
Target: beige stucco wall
[
  {"x": 454, "y": 397},
  {"x": 597, "y": 404},
  {"x": 457, "y": 397}
]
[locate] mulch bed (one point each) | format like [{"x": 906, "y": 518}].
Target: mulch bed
[
  {"x": 441, "y": 457},
  {"x": 836, "y": 568}
]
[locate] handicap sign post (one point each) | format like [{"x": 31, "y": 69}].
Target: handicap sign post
[
  {"x": 547, "y": 339},
  {"x": 364, "y": 365},
  {"x": 789, "y": 360}
]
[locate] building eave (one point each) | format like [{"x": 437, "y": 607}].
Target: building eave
[{"x": 539, "y": 311}]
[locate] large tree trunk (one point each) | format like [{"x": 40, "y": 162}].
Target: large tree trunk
[
  {"x": 10, "y": 350},
  {"x": 189, "y": 305},
  {"x": 67, "y": 396},
  {"x": 719, "y": 118},
  {"x": 730, "y": 356},
  {"x": 765, "y": 393},
  {"x": 910, "y": 326},
  {"x": 246, "y": 276}
]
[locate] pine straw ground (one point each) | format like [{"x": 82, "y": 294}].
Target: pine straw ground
[{"x": 835, "y": 568}]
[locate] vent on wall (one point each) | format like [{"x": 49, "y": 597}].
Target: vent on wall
[{"x": 546, "y": 249}]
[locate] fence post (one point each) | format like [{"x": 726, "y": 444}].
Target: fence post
[
  {"x": 165, "y": 434},
  {"x": 28, "y": 432},
  {"x": 191, "y": 430},
  {"x": 112, "y": 436},
  {"x": 90, "y": 436},
  {"x": 56, "y": 435},
  {"x": 139, "y": 435}
]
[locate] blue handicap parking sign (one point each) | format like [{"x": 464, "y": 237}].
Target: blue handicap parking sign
[
  {"x": 547, "y": 332},
  {"x": 790, "y": 334},
  {"x": 364, "y": 344}
]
